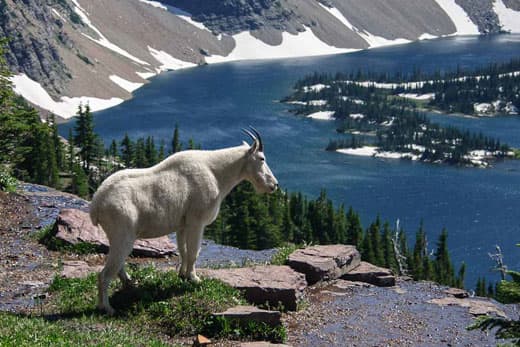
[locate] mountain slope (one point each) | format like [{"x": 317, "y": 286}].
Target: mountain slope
[{"x": 63, "y": 52}]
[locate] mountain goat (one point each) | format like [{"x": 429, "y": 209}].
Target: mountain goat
[{"x": 182, "y": 193}]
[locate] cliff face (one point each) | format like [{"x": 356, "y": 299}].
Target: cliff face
[{"x": 99, "y": 52}]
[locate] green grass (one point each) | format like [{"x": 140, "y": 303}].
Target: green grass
[
  {"x": 17, "y": 330},
  {"x": 280, "y": 258},
  {"x": 161, "y": 306}
]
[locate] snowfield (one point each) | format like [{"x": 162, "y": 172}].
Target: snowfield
[
  {"x": 459, "y": 17},
  {"x": 509, "y": 18},
  {"x": 247, "y": 47},
  {"x": 66, "y": 108},
  {"x": 322, "y": 115}
]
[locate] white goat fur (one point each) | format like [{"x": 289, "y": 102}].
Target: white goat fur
[{"x": 182, "y": 193}]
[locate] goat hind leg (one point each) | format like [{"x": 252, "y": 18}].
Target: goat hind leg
[
  {"x": 125, "y": 278},
  {"x": 119, "y": 250}
]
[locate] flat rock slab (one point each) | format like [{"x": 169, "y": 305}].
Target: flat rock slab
[
  {"x": 273, "y": 284},
  {"x": 324, "y": 263},
  {"x": 78, "y": 269},
  {"x": 457, "y": 292},
  {"x": 244, "y": 314},
  {"x": 74, "y": 226},
  {"x": 372, "y": 274},
  {"x": 477, "y": 307}
]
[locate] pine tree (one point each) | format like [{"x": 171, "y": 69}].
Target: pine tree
[
  {"x": 85, "y": 137},
  {"x": 443, "y": 267},
  {"x": 354, "y": 228},
  {"x": 57, "y": 144},
  {"x": 70, "y": 152},
  {"x": 127, "y": 151},
  {"x": 176, "y": 143}
]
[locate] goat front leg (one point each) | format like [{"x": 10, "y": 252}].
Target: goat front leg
[{"x": 193, "y": 242}]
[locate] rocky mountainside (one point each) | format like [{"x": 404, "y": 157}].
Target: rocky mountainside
[{"x": 63, "y": 52}]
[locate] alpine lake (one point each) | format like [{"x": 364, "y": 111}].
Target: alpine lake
[{"x": 480, "y": 208}]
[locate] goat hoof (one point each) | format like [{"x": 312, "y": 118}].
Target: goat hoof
[
  {"x": 107, "y": 309},
  {"x": 194, "y": 278}
]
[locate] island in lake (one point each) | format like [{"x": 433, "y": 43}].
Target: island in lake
[{"x": 383, "y": 115}]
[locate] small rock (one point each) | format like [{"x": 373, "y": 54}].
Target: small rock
[
  {"x": 244, "y": 314},
  {"x": 324, "y": 263},
  {"x": 372, "y": 274},
  {"x": 261, "y": 284},
  {"x": 457, "y": 292},
  {"x": 262, "y": 344},
  {"x": 74, "y": 226},
  {"x": 201, "y": 340},
  {"x": 78, "y": 269}
]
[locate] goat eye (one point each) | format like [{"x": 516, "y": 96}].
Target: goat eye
[{"x": 262, "y": 159}]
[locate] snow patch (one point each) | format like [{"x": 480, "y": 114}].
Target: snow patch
[
  {"x": 304, "y": 43},
  {"x": 103, "y": 41},
  {"x": 145, "y": 75},
  {"x": 509, "y": 18},
  {"x": 427, "y": 36},
  {"x": 356, "y": 116},
  {"x": 67, "y": 107},
  {"x": 58, "y": 15},
  {"x": 155, "y": 4},
  {"x": 125, "y": 84},
  {"x": 372, "y": 40},
  {"x": 168, "y": 62},
  {"x": 459, "y": 17},
  {"x": 317, "y": 102},
  {"x": 366, "y": 151},
  {"x": 416, "y": 96},
  {"x": 186, "y": 16},
  {"x": 315, "y": 88},
  {"x": 322, "y": 115}
]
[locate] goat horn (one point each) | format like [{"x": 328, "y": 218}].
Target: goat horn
[
  {"x": 261, "y": 145},
  {"x": 250, "y": 134}
]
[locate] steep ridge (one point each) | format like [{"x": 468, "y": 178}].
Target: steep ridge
[{"x": 63, "y": 52}]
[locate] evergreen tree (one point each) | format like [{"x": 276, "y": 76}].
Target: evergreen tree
[
  {"x": 354, "y": 229},
  {"x": 443, "y": 267},
  {"x": 85, "y": 137},
  {"x": 127, "y": 151},
  {"x": 70, "y": 152},
  {"x": 176, "y": 143}
]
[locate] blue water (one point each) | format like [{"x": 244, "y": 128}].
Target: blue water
[{"x": 479, "y": 207}]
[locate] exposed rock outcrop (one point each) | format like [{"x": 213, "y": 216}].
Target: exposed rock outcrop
[
  {"x": 372, "y": 274},
  {"x": 74, "y": 227},
  {"x": 324, "y": 263},
  {"x": 261, "y": 284},
  {"x": 244, "y": 314}
]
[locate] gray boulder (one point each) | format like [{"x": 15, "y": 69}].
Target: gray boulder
[
  {"x": 74, "y": 226},
  {"x": 372, "y": 274},
  {"x": 78, "y": 269},
  {"x": 261, "y": 284},
  {"x": 324, "y": 263},
  {"x": 244, "y": 314}
]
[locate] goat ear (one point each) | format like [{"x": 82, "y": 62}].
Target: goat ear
[
  {"x": 244, "y": 143},
  {"x": 254, "y": 147}
]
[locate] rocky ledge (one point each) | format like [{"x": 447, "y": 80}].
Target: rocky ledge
[{"x": 350, "y": 302}]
